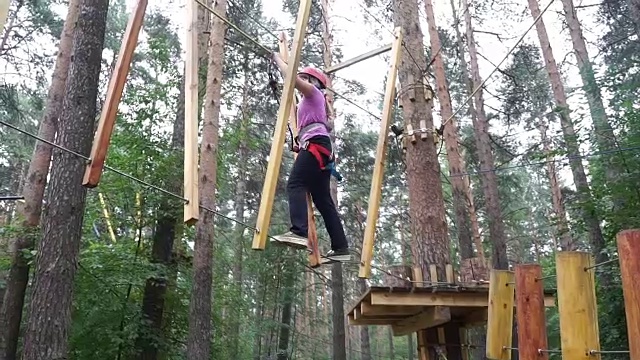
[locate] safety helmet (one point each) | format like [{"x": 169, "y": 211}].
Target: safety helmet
[{"x": 316, "y": 74}]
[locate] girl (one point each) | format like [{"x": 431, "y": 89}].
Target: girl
[{"x": 310, "y": 172}]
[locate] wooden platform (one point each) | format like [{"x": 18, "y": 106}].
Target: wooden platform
[{"x": 409, "y": 309}]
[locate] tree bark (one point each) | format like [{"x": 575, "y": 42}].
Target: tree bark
[
  {"x": 284, "y": 338},
  {"x": 451, "y": 138},
  {"x": 483, "y": 145},
  {"x": 164, "y": 235},
  {"x": 240, "y": 191},
  {"x": 430, "y": 243},
  {"x": 566, "y": 242},
  {"x": 605, "y": 139},
  {"x": 200, "y": 306},
  {"x": 49, "y": 322},
  {"x": 571, "y": 142},
  {"x": 473, "y": 217},
  {"x": 33, "y": 190},
  {"x": 337, "y": 284},
  {"x": 365, "y": 343}
]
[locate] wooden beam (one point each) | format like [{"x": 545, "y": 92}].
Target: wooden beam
[
  {"x": 430, "y": 299},
  {"x": 577, "y": 306},
  {"x": 100, "y": 147},
  {"x": 191, "y": 207},
  {"x": 500, "y": 318},
  {"x": 359, "y": 58},
  {"x": 312, "y": 233},
  {"x": 107, "y": 218},
  {"x": 457, "y": 299},
  {"x": 366, "y": 322},
  {"x": 4, "y": 13},
  {"x": 530, "y": 312},
  {"x": 429, "y": 318},
  {"x": 629, "y": 250},
  {"x": 375, "y": 193},
  {"x": 423, "y": 350},
  {"x": 381, "y": 310},
  {"x": 277, "y": 145},
  {"x": 476, "y": 317}
]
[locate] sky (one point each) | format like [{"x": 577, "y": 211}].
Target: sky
[{"x": 354, "y": 35}]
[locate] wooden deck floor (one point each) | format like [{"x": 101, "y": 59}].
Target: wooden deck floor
[{"x": 408, "y": 309}]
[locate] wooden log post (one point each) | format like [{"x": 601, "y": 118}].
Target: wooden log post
[
  {"x": 93, "y": 171},
  {"x": 500, "y": 315},
  {"x": 312, "y": 233},
  {"x": 629, "y": 252},
  {"x": 375, "y": 193},
  {"x": 279, "y": 135},
  {"x": 530, "y": 312},
  {"x": 191, "y": 156},
  {"x": 577, "y": 306}
]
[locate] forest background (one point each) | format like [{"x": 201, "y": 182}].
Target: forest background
[{"x": 135, "y": 278}]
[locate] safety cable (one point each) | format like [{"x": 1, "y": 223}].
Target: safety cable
[
  {"x": 235, "y": 27},
  {"x": 470, "y": 97}
]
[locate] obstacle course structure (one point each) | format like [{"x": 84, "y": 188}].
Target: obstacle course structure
[{"x": 439, "y": 311}]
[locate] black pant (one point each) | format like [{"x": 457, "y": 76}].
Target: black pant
[{"x": 306, "y": 176}]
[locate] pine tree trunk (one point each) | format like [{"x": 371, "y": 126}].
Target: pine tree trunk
[
  {"x": 49, "y": 321},
  {"x": 240, "y": 191},
  {"x": 33, "y": 191},
  {"x": 473, "y": 217},
  {"x": 178, "y": 252},
  {"x": 483, "y": 145},
  {"x": 604, "y": 137},
  {"x": 430, "y": 243},
  {"x": 451, "y": 138},
  {"x": 284, "y": 337},
  {"x": 164, "y": 235},
  {"x": 365, "y": 343},
  {"x": 571, "y": 142},
  {"x": 337, "y": 284},
  {"x": 566, "y": 242},
  {"x": 200, "y": 307}
]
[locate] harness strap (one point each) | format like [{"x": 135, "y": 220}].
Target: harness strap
[
  {"x": 310, "y": 127},
  {"x": 318, "y": 151}
]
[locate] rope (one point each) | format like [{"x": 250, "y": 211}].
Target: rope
[{"x": 235, "y": 27}]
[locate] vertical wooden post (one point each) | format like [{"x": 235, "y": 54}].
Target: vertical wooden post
[
  {"x": 530, "y": 313},
  {"x": 464, "y": 341},
  {"x": 277, "y": 146},
  {"x": 376, "y": 183},
  {"x": 4, "y": 12},
  {"x": 107, "y": 218},
  {"x": 629, "y": 252},
  {"x": 577, "y": 306},
  {"x": 312, "y": 233},
  {"x": 191, "y": 208},
  {"x": 93, "y": 171},
  {"x": 500, "y": 317}
]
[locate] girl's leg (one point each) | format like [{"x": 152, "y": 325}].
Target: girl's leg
[
  {"x": 320, "y": 188},
  {"x": 297, "y": 193}
]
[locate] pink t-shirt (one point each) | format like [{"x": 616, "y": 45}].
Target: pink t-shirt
[{"x": 312, "y": 109}]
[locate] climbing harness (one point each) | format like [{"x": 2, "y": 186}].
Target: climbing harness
[
  {"x": 317, "y": 151},
  {"x": 309, "y": 127}
]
